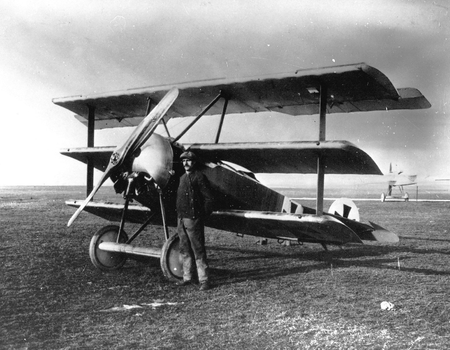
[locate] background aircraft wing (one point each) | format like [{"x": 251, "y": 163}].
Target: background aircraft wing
[
  {"x": 342, "y": 157},
  {"x": 351, "y": 88}
]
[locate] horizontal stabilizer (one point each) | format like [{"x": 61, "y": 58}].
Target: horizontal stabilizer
[{"x": 382, "y": 235}]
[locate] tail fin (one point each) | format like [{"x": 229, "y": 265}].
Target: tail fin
[{"x": 346, "y": 208}]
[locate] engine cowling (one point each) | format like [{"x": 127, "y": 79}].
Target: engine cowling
[{"x": 155, "y": 159}]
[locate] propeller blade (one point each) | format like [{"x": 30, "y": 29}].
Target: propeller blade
[
  {"x": 139, "y": 136},
  {"x": 145, "y": 129},
  {"x": 105, "y": 176}
]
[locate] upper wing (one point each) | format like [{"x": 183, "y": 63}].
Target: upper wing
[
  {"x": 350, "y": 88},
  {"x": 404, "y": 180},
  {"x": 342, "y": 157}
]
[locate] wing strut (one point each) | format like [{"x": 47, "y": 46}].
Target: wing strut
[
  {"x": 320, "y": 157},
  {"x": 212, "y": 103},
  {"x": 90, "y": 143},
  {"x": 224, "y": 111}
]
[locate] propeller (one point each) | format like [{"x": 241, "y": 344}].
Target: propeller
[{"x": 139, "y": 136}]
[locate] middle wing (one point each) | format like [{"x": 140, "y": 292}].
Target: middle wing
[{"x": 342, "y": 157}]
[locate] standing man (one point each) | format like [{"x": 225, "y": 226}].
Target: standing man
[{"x": 194, "y": 204}]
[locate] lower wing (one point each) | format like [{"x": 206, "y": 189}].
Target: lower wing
[
  {"x": 327, "y": 228},
  {"x": 113, "y": 211}
]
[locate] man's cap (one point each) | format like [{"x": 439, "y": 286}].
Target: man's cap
[{"x": 188, "y": 155}]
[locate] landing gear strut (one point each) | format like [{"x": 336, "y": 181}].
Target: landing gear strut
[{"x": 109, "y": 252}]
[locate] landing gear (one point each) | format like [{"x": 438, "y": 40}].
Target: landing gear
[
  {"x": 104, "y": 260},
  {"x": 404, "y": 196},
  {"x": 171, "y": 262},
  {"x": 107, "y": 252}
]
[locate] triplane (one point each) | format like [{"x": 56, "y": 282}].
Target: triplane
[{"x": 146, "y": 168}]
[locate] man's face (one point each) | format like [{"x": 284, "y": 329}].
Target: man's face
[{"x": 188, "y": 164}]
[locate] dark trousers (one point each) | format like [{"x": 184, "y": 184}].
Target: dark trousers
[{"x": 192, "y": 248}]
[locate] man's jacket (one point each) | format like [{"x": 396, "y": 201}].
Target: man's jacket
[{"x": 194, "y": 197}]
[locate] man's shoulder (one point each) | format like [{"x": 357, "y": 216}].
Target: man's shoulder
[{"x": 199, "y": 174}]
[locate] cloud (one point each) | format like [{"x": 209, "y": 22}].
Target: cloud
[{"x": 53, "y": 49}]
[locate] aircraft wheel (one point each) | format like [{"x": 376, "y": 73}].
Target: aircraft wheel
[
  {"x": 171, "y": 263},
  {"x": 383, "y": 197},
  {"x": 107, "y": 261}
]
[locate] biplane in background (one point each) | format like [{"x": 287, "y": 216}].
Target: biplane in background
[
  {"x": 146, "y": 168},
  {"x": 398, "y": 180}
]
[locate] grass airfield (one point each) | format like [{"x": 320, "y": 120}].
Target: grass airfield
[{"x": 264, "y": 297}]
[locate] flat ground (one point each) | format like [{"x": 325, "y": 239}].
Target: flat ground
[{"x": 264, "y": 297}]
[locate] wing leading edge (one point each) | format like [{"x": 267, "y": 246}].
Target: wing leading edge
[{"x": 351, "y": 88}]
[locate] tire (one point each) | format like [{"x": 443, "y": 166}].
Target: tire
[
  {"x": 107, "y": 261},
  {"x": 171, "y": 263}
]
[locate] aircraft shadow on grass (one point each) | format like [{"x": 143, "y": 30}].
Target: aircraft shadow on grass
[
  {"x": 425, "y": 239},
  {"x": 324, "y": 261}
]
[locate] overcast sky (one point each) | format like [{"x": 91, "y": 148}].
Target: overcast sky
[{"x": 54, "y": 49}]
